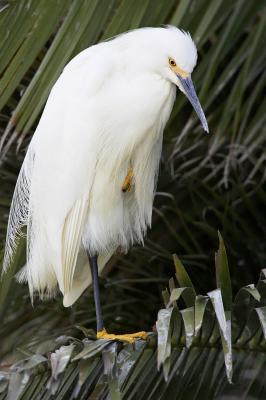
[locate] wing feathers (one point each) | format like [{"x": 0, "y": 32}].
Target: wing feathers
[
  {"x": 71, "y": 240},
  {"x": 82, "y": 276}
]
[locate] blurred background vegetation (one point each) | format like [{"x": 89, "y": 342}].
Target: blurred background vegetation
[{"x": 207, "y": 182}]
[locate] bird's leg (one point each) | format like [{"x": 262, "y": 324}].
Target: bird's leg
[
  {"x": 128, "y": 181},
  {"x": 101, "y": 332},
  {"x": 96, "y": 292}
]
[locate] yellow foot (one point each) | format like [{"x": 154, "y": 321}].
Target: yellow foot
[
  {"x": 126, "y": 187},
  {"x": 128, "y": 337}
]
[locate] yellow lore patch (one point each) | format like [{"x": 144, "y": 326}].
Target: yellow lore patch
[{"x": 179, "y": 71}]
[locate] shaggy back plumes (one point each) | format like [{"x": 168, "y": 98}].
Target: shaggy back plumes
[{"x": 19, "y": 215}]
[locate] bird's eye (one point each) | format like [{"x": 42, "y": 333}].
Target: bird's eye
[{"x": 172, "y": 62}]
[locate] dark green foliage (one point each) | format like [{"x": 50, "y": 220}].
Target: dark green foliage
[{"x": 207, "y": 183}]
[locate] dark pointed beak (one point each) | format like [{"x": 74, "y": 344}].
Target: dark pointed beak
[{"x": 190, "y": 92}]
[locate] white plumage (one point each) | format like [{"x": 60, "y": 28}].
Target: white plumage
[{"x": 105, "y": 114}]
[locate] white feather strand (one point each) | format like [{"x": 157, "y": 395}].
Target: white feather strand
[{"x": 19, "y": 215}]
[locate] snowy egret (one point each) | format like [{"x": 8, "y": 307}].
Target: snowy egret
[{"x": 86, "y": 187}]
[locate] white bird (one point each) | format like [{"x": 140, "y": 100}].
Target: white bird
[{"x": 86, "y": 187}]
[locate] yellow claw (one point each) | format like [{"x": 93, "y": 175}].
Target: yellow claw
[
  {"x": 128, "y": 181},
  {"x": 128, "y": 337}
]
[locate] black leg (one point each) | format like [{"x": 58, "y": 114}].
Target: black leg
[{"x": 96, "y": 292}]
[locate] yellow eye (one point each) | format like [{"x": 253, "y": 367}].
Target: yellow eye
[{"x": 172, "y": 62}]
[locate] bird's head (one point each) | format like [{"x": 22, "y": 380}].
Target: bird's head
[
  {"x": 170, "y": 53},
  {"x": 181, "y": 61}
]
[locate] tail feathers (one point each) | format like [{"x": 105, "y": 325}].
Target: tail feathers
[{"x": 48, "y": 291}]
